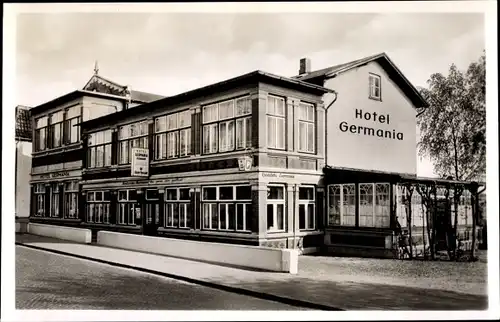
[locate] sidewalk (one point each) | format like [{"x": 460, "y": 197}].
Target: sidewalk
[{"x": 297, "y": 290}]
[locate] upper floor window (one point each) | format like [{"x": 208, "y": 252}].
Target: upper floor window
[
  {"x": 227, "y": 126},
  {"x": 375, "y": 87},
  {"x": 72, "y": 131},
  {"x": 56, "y": 130},
  {"x": 41, "y": 133},
  {"x": 173, "y": 135},
  {"x": 99, "y": 149},
  {"x": 276, "y": 122},
  {"x": 307, "y": 133},
  {"x": 131, "y": 136}
]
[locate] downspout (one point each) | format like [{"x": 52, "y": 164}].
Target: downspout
[
  {"x": 325, "y": 194},
  {"x": 326, "y": 123}
]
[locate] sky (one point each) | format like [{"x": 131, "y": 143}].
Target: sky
[{"x": 169, "y": 53}]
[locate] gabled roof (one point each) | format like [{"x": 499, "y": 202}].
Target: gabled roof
[
  {"x": 243, "y": 80},
  {"x": 390, "y": 68},
  {"x": 23, "y": 124},
  {"x": 100, "y": 84}
]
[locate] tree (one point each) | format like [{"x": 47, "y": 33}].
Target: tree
[{"x": 453, "y": 128}]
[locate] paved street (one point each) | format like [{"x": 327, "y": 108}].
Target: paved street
[{"x": 51, "y": 281}]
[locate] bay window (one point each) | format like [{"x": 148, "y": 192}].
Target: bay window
[
  {"x": 341, "y": 205},
  {"x": 99, "y": 149},
  {"x": 39, "y": 198},
  {"x": 41, "y": 133},
  {"x": 131, "y": 136},
  {"x": 227, "y": 208},
  {"x": 178, "y": 212},
  {"x": 128, "y": 207},
  {"x": 276, "y": 129},
  {"x": 307, "y": 214},
  {"x": 276, "y": 208},
  {"x": 173, "y": 135},
  {"x": 227, "y": 125},
  {"x": 55, "y": 128},
  {"x": 306, "y": 132},
  {"x": 72, "y": 130},
  {"x": 71, "y": 199},
  {"x": 98, "y": 206}
]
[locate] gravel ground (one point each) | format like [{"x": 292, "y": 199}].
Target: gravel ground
[{"x": 469, "y": 278}]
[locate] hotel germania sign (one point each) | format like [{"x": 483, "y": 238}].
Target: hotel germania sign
[
  {"x": 140, "y": 162},
  {"x": 372, "y": 135},
  {"x": 371, "y": 130}
]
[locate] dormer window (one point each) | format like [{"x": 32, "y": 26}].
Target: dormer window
[{"x": 375, "y": 87}]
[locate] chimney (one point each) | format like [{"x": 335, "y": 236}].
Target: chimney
[{"x": 305, "y": 66}]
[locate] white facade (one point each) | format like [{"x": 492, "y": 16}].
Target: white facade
[
  {"x": 368, "y": 134},
  {"x": 23, "y": 177}
]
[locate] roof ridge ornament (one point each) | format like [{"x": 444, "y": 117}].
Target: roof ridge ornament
[{"x": 96, "y": 68}]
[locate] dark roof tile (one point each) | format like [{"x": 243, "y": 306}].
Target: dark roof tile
[{"x": 23, "y": 124}]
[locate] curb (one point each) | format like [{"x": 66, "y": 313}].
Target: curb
[{"x": 264, "y": 296}]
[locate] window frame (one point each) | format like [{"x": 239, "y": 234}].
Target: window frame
[
  {"x": 309, "y": 107},
  {"x": 275, "y": 117},
  {"x": 342, "y": 205},
  {"x": 53, "y": 125},
  {"x": 41, "y": 128},
  {"x": 415, "y": 199},
  {"x": 306, "y": 203},
  {"x": 94, "y": 147},
  {"x": 163, "y": 135},
  {"x": 177, "y": 203},
  {"x": 372, "y": 86},
  {"x": 103, "y": 204},
  {"x": 211, "y": 124},
  {"x": 144, "y": 137},
  {"x": 218, "y": 202},
  {"x": 275, "y": 203},
  {"x": 39, "y": 195},
  {"x": 73, "y": 190},
  {"x": 130, "y": 204},
  {"x": 68, "y": 120}
]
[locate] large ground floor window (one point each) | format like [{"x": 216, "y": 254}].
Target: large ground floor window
[
  {"x": 128, "y": 207},
  {"x": 276, "y": 215},
  {"x": 341, "y": 205},
  {"x": 71, "y": 200},
  {"x": 39, "y": 199},
  {"x": 227, "y": 208},
  {"x": 374, "y": 205},
  {"x": 98, "y": 203},
  {"x": 178, "y": 212},
  {"x": 307, "y": 208}
]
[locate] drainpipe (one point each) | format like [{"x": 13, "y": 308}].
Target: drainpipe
[
  {"x": 325, "y": 194},
  {"x": 326, "y": 125}
]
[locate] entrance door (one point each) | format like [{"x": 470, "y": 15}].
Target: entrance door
[{"x": 152, "y": 218}]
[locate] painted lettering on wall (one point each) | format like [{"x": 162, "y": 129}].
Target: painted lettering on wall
[
  {"x": 371, "y": 131},
  {"x": 55, "y": 175},
  {"x": 277, "y": 175}
]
